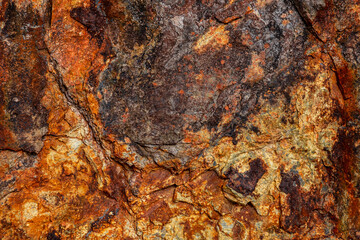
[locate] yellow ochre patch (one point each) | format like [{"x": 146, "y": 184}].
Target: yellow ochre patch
[{"x": 215, "y": 37}]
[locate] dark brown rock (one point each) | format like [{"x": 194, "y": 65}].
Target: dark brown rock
[{"x": 195, "y": 119}]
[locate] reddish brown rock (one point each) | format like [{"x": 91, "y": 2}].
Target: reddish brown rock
[{"x": 179, "y": 119}]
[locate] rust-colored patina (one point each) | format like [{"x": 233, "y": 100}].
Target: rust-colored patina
[{"x": 179, "y": 119}]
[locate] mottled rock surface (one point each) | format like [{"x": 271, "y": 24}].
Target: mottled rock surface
[{"x": 179, "y": 119}]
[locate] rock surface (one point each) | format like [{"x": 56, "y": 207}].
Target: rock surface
[{"x": 179, "y": 119}]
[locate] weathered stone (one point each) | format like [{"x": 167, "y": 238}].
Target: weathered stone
[{"x": 216, "y": 119}]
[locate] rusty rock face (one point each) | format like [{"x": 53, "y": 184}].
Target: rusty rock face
[{"x": 183, "y": 119}]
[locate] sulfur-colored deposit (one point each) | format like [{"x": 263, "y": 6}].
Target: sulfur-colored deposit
[{"x": 180, "y": 119}]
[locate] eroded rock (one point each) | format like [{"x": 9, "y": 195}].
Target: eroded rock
[{"x": 179, "y": 119}]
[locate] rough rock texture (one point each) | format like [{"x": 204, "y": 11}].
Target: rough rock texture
[{"x": 179, "y": 119}]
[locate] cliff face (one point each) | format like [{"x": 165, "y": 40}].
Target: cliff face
[{"x": 179, "y": 119}]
